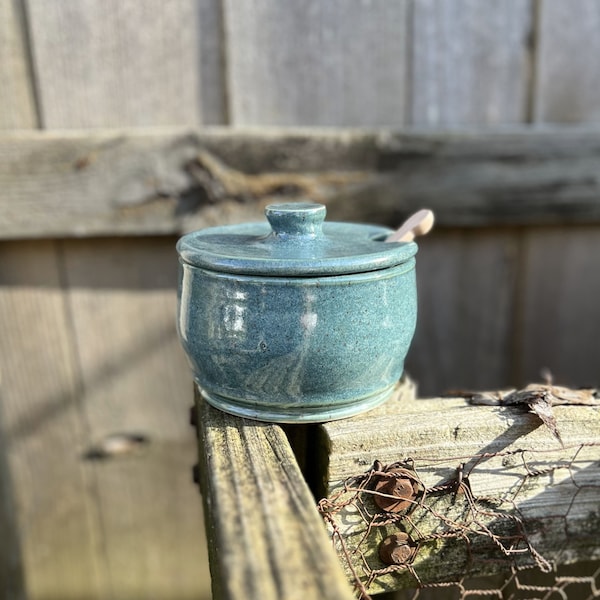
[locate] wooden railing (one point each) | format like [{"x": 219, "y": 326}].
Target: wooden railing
[{"x": 485, "y": 487}]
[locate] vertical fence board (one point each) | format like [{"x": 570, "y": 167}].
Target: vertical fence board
[
  {"x": 136, "y": 380},
  {"x": 118, "y": 62},
  {"x": 212, "y": 63},
  {"x": 316, "y": 63},
  {"x": 469, "y": 65},
  {"x": 12, "y": 582},
  {"x": 469, "y": 61},
  {"x": 44, "y": 429},
  {"x": 560, "y": 325},
  {"x": 17, "y": 105},
  {"x": 557, "y": 324},
  {"x": 568, "y": 69},
  {"x": 466, "y": 286}
]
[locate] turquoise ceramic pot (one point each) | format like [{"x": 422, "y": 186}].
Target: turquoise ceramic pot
[{"x": 296, "y": 320}]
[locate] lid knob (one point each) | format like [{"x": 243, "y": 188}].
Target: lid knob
[{"x": 296, "y": 219}]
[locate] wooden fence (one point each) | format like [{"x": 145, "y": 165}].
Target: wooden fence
[{"x": 105, "y": 157}]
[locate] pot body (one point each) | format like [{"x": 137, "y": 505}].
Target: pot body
[{"x": 297, "y": 349}]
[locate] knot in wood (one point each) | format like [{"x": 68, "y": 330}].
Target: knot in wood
[
  {"x": 400, "y": 488},
  {"x": 397, "y": 549}
]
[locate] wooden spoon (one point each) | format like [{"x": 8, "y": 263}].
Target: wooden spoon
[{"x": 418, "y": 224}]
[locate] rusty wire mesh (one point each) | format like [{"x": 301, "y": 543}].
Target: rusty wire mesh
[{"x": 453, "y": 535}]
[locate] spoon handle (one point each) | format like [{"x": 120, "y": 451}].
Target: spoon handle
[{"x": 418, "y": 224}]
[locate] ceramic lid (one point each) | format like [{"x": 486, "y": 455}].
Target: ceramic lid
[{"x": 295, "y": 242}]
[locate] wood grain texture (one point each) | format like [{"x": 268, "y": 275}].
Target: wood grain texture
[
  {"x": 167, "y": 182},
  {"x": 117, "y": 63},
  {"x": 316, "y": 63},
  {"x": 103, "y": 184},
  {"x": 266, "y": 538},
  {"x": 44, "y": 430},
  {"x": 136, "y": 381},
  {"x": 469, "y": 61},
  {"x": 559, "y": 326},
  {"x": 567, "y": 70},
  {"x": 17, "y": 103},
  {"x": 440, "y": 435},
  {"x": 466, "y": 282}
]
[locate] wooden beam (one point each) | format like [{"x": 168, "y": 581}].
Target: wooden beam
[
  {"x": 158, "y": 182},
  {"x": 496, "y": 489},
  {"x": 265, "y": 537}
]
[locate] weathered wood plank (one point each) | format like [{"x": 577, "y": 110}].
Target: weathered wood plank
[
  {"x": 12, "y": 580},
  {"x": 316, "y": 63},
  {"x": 513, "y": 466},
  {"x": 17, "y": 103},
  {"x": 567, "y": 69},
  {"x": 266, "y": 539},
  {"x": 211, "y": 65},
  {"x": 167, "y": 182},
  {"x": 44, "y": 430},
  {"x": 469, "y": 62},
  {"x": 119, "y": 62},
  {"x": 136, "y": 381},
  {"x": 558, "y": 327},
  {"x": 467, "y": 284}
]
